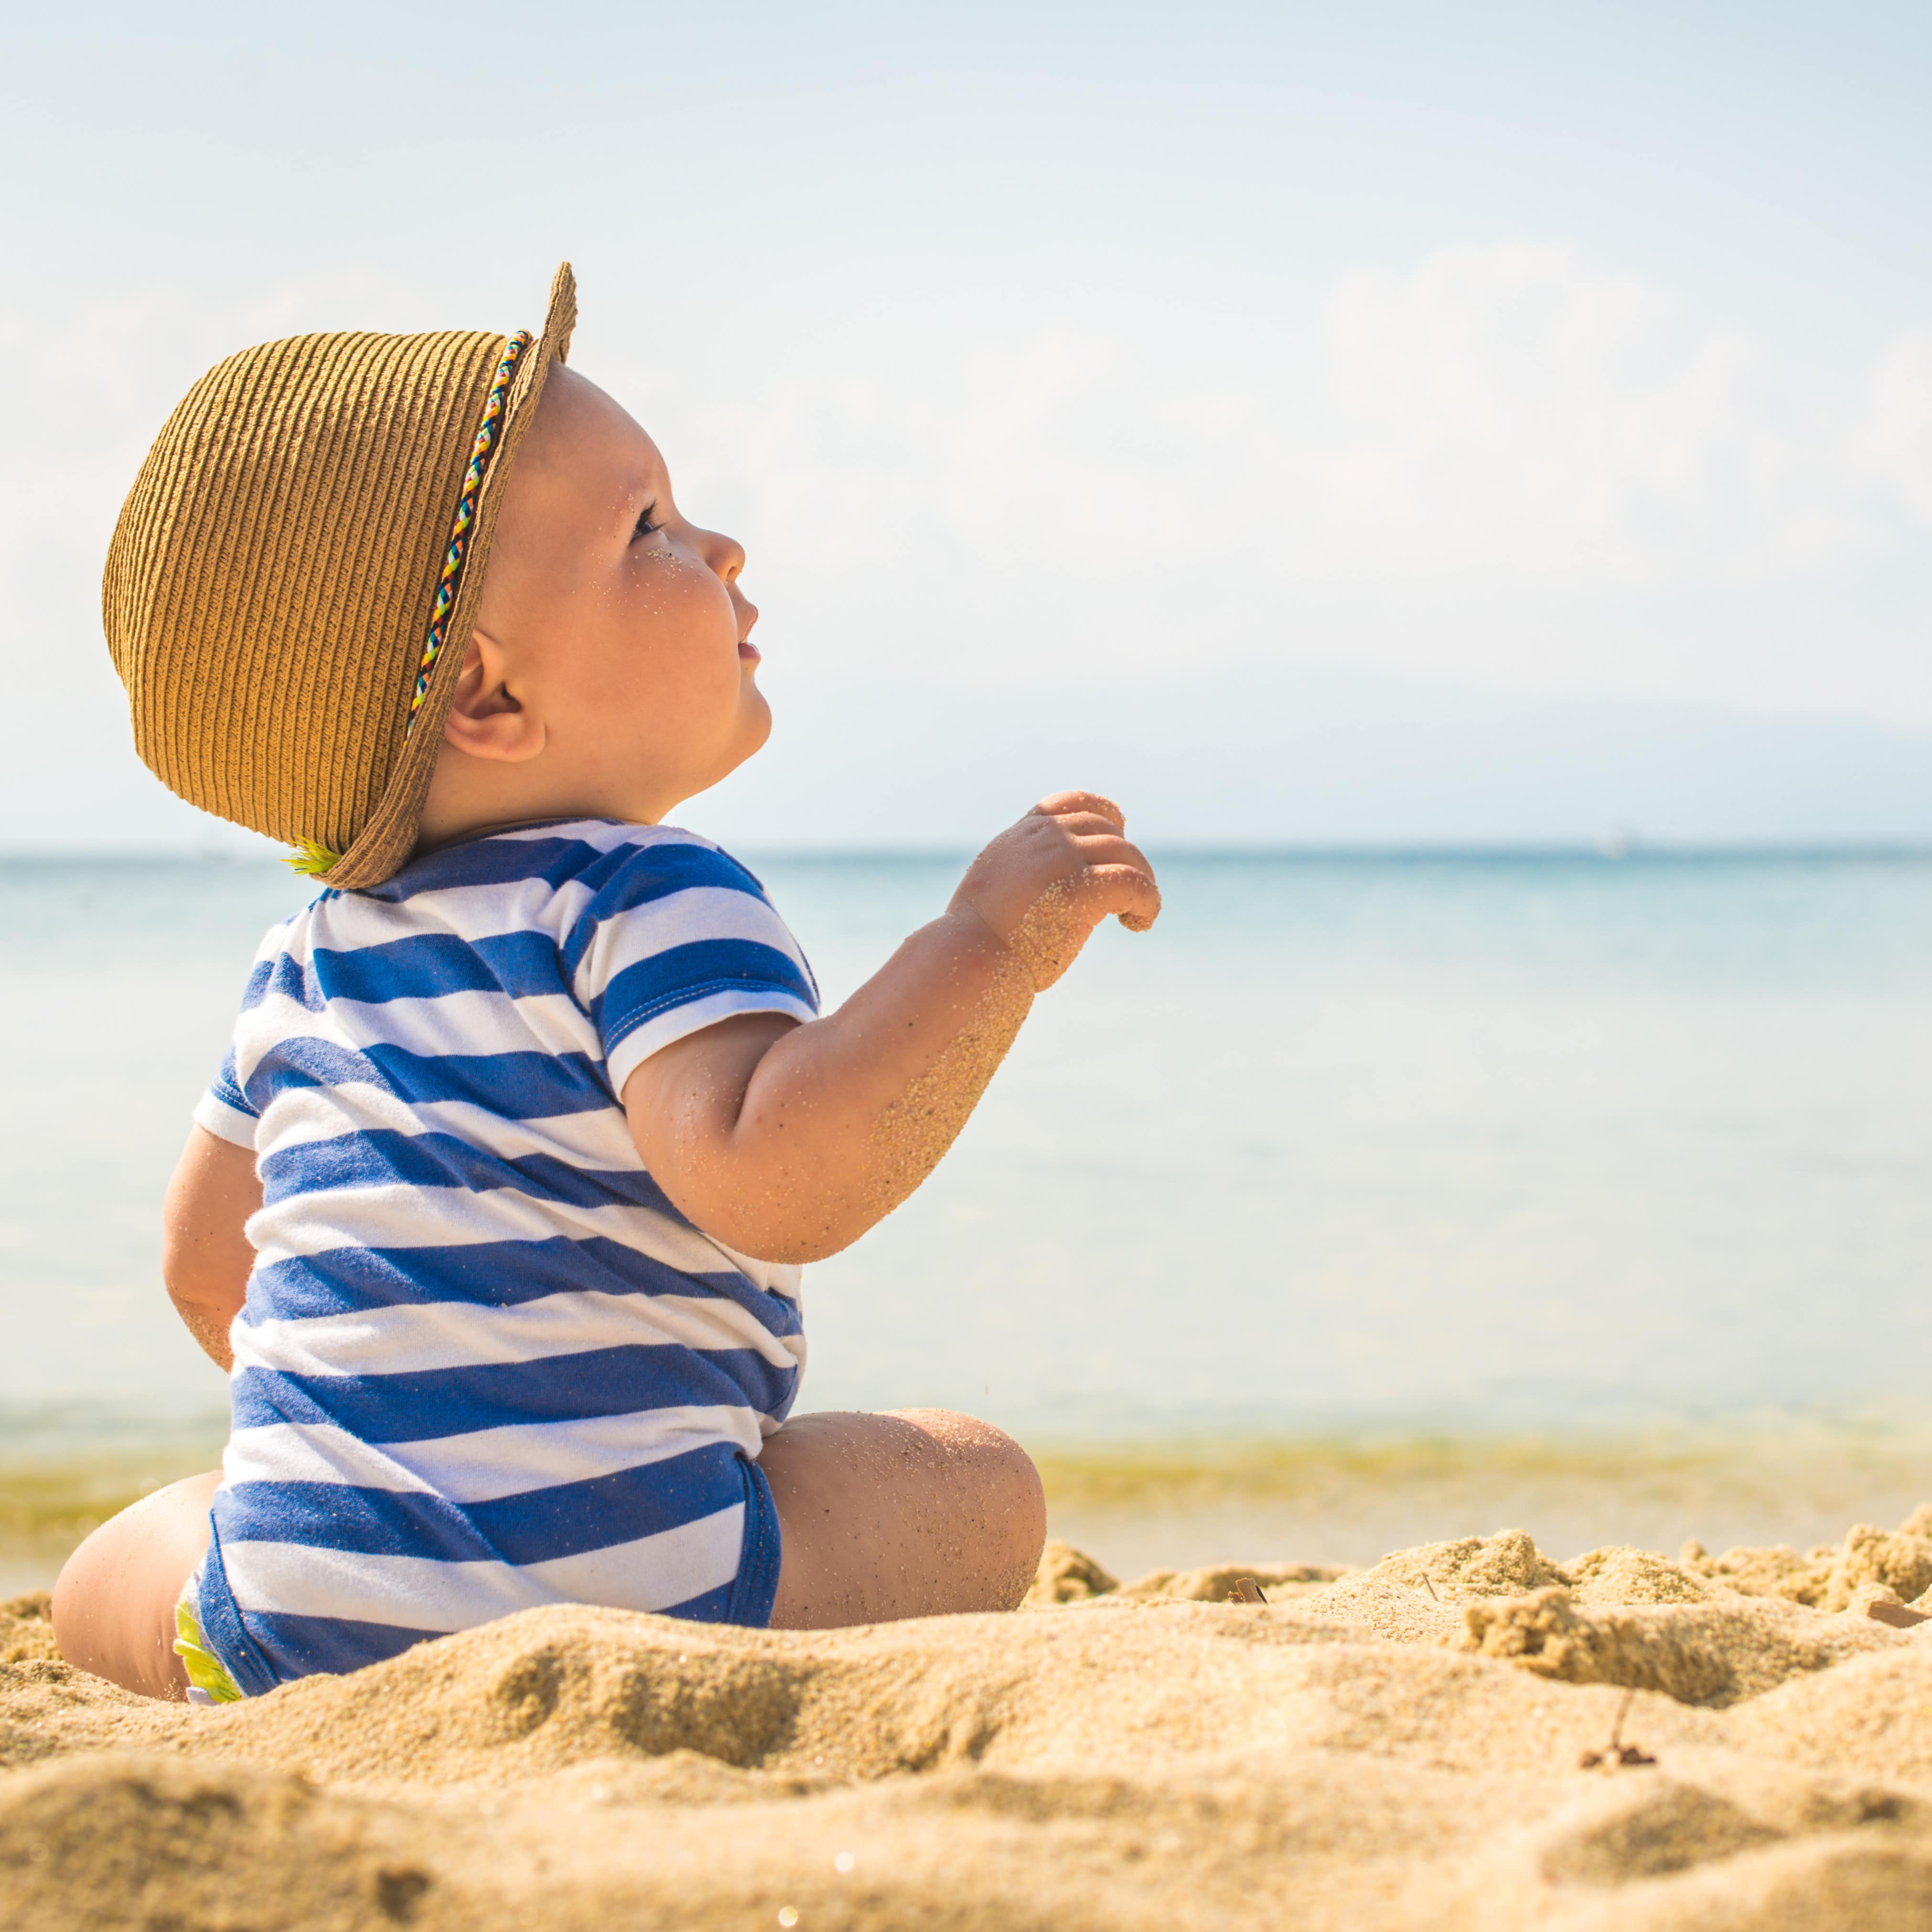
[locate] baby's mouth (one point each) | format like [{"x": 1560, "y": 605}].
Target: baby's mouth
[{"x": 749, "y": 652}]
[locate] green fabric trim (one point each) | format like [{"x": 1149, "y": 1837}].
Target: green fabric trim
[
  {"x": 311, "y": 858},
  {"x": 206, "y": 1671}
]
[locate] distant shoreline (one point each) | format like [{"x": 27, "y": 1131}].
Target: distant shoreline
[
  {"x": 1343, "y": 1495},
  {"x": 1606, "y": 852}
]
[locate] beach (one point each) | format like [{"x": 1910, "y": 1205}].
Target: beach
[
  {"x": 1437, "y": 500},
  {"x": 1465, "y": 1734}
]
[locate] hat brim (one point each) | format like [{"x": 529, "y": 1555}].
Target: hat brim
[{"x": 383, "y": 846}]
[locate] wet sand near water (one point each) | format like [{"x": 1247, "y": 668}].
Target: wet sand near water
[{"x": 1138, "y": 1504}]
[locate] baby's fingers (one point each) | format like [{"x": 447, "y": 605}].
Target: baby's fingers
[
  {"x": 1062, "y": 804},
  {"x": 1130, "y": 890},
  {"x": 1125, "y": 890},
  {"x": 1048, "y": 940}
]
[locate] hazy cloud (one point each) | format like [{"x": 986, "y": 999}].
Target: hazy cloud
[
  {"x": 1507, "y": 462},
  {"x": 1900, "y": 434},
  {"x": 1513, "y": 409}
]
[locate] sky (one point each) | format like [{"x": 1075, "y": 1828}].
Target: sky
[{"x": 1126, "y": 379}]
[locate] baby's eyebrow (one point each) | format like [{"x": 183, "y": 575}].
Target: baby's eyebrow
[{"x": 636, "y": 494}]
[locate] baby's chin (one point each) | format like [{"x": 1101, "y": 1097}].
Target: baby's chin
[
  {"x": 756, "y": 712},
  {"x": 751, "y": 730}
]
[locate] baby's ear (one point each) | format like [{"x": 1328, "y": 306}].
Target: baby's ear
[{"x": 487, "y": 719}]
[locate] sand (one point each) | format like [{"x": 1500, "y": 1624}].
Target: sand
[{"x": 1398, "y": 1746}]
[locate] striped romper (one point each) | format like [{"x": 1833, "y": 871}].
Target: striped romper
[{"x": 484, "y": 1362}]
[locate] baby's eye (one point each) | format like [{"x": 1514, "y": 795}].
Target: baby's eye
[{"x": 647, "y": 522}]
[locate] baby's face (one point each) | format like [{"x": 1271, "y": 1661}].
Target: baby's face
[{"x": 618, "y": 624}]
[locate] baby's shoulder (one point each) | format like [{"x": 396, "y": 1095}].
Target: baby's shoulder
[{"x": 563, "y": 883}]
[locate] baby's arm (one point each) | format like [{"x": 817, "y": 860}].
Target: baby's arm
[
  {"x": 206, "y": 1258},
  {"x": 788, "y": 1141}
]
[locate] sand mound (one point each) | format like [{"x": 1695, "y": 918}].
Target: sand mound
[
  {"x": 165, "y": 1841},
  {"x": 1895, "y": 1567},
  {"x": 1070, "y": 1576},
  {"x": 1712, "y": 1654},
  {"x": 1401, "y": 1746}
]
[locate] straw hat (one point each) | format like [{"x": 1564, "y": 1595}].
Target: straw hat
[{"x": 297, "y": 570}]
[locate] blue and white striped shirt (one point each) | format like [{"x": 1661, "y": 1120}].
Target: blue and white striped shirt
[{"x": 484, "y": 1362}]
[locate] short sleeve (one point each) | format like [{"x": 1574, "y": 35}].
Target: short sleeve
[
  {"x": 224, "y": 1110},
  {"x": 678, "y": 937}
]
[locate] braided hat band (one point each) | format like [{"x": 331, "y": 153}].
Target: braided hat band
[
  {"x": 480, "y": 453},
  {"x": 286, "y": 572}
]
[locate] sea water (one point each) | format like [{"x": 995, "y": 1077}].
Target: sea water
[{"x": 1347, "y": 1148}]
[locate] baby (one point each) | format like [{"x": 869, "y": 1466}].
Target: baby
[{"x": 496, "y": 1211}]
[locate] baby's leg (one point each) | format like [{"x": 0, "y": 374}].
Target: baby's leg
[
  {"x": 914, "y": 1513},
  {"x": 114, "y": 1605}
]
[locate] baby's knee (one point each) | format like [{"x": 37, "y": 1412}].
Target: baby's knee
[
  {"x": 1000, "y": 1497},
  {"x": 113, "y": 1603},
  {"x": 87, "y": 1610},
  {"x": 68, "y": 1610}
]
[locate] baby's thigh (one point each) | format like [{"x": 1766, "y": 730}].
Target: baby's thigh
[
  {"x": 917, "y": 1512},
  {"x": 114, "y": 1605}
]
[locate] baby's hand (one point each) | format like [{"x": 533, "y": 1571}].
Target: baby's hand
[{"x": 1043, "y": 885}]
